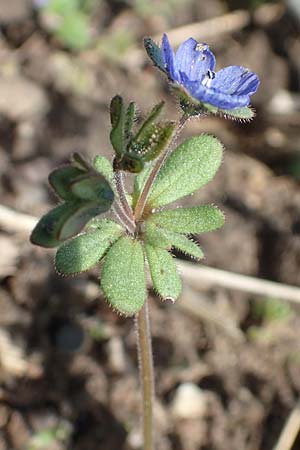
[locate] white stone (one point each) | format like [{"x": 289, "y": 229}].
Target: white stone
[{"x": 189, "y": 402}]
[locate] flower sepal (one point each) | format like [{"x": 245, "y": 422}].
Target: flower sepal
[{"x": 194, "y": 108}]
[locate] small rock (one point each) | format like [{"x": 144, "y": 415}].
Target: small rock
[{"x": 189, "y": 402}]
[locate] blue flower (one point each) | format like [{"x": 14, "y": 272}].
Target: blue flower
[{"x": 192, "y": 67}]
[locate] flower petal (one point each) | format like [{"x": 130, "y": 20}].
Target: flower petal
[
  {"x": 235, "y": 80},
  {"x": 194, "y": 59},
  {"x": 248, "y": 85},
  {"x": 168, "y": 57},
  {"x": 214, "y": 97}
]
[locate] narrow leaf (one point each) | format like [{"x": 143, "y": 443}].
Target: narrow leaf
[
  {"x": 197, "y": 219},
  {"x": 160, "y": 237},
  {"x": 192, "y": 165},
  {"x": 153, "y": 140},
  {"x": 129, "y": 119},
  {"x": 154, "y": 53},
  {"x": 152, "y": 116},
  {"x": 165, "y": 278},
  {"x": 117, "y": 134},
  {"x": 83, "y": 252},
  {"x": 123, "y": 277}
]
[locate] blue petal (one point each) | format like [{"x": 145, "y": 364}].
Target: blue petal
[
  {"x": 168, "y": 57},
  {"x": 194, "y": 59},
  {"x": 235, "y": 80},
  {"x": 248, "y": 85},
  {"x": 214, "y": 97}
]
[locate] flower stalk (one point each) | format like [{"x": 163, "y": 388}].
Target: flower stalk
[{"x": 141, "y": 203}]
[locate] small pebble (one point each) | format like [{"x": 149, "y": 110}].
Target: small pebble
[{"x": 189, "y": 402}]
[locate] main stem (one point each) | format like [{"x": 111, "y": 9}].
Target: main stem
[{"x": 146, "y": 373}]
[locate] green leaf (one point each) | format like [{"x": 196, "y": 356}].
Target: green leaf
[
  {"x": 152, "y": 116},
  {"x": 197, "y": 219},
  {"x": 191, "y": 165},
  {"x": 160, "y": 237},
  {"x": 129, "y": 119},
  {"x": 60, "y": 180},
  {"x": 165, "y": 278},
  {"x": 123, "y": 277},
  {"x": 64, "y": 222},
  {"x": 83, "y": 252},
  {"x": 93, "y": 188},
  {"x": 245, "y": 113},
  {"x": 153, "y": 140},
  {"x": 118, "y": 118},
  {"x": 82, "y": 214},
  {"x": 103, "y": 166},
  {"x": 154, "y": 53},
  {"x": 46, "y": 232}
]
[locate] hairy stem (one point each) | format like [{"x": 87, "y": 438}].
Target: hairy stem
[
  {"x": 141, "y": 203},
  {"x": 146, "y": 373},
  {"x": 119, "y": 179},
  {"x": 123, "y": 218},
  {"x": 122, "y": 208}
]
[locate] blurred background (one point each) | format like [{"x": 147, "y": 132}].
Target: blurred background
[{"x": 227, "y": 362}]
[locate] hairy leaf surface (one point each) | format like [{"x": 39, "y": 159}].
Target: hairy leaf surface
[
  {"x": 165, "y": 278},
  {"x": 123, "y": 277},
  {"x": 196, "y": 219},
  {"x": 83, "y": 252},
  {"x": 192, "y": 165}
]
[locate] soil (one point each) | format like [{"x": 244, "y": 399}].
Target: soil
[{"x": 68, "y": 364}]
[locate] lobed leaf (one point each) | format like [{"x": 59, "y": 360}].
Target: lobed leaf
[
  {"x": 196, "y": 219},
  {"x": 123, "y": 278},
  {"x": 165, "y": 278},
  {"x": 83, "y": 252},
  {"x": 192, "y": 165}
]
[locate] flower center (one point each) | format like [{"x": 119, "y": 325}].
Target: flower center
[{"x": 209, "y": 76}]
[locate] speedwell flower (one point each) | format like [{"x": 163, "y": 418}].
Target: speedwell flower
[{"x": 192, "y": 70}]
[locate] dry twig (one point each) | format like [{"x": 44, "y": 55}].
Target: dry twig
[{"x": 290, "y": 430}]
